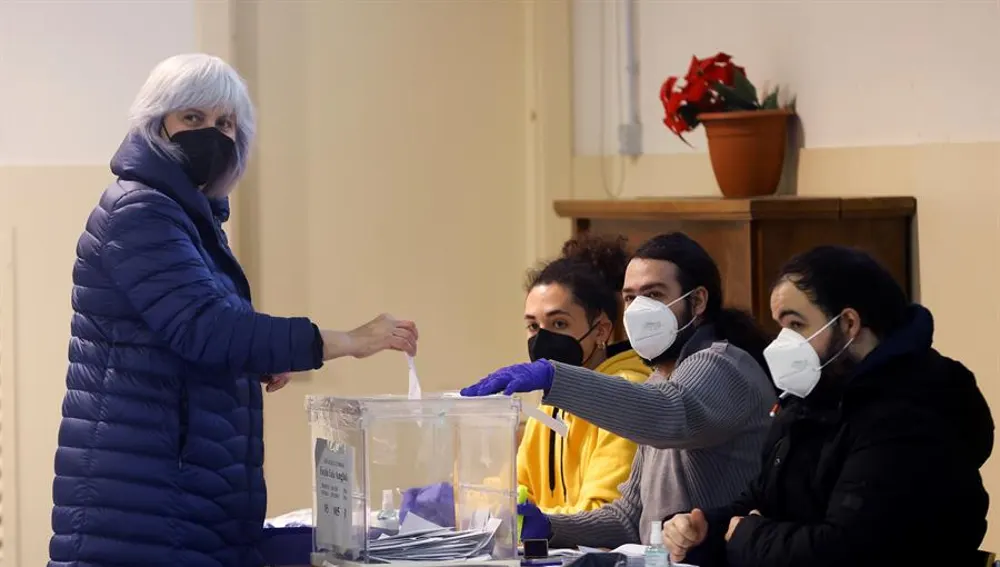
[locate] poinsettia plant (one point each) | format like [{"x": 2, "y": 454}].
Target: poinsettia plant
[{"x": 713, "y": 84}]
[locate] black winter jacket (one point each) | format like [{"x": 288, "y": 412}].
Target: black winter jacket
[{"x": 883, "y": 472}]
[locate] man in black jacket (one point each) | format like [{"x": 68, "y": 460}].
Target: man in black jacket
[{"x": 874, "y": 455}]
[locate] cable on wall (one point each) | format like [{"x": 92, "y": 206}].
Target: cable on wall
[{"x": 618, "y": 188}]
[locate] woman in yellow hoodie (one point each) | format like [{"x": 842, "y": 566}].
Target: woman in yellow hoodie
[{"x": 572, "y": 314}]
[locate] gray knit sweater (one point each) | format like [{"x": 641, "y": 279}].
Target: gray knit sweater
[{"x": 701, "y": 432}]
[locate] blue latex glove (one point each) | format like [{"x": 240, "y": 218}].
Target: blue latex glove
[
  {"x": 519, "y": 378},
  {"x": 434, "y": 503},
  {"x": 536, "y": 524}
]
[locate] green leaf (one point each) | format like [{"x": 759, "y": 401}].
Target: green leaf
[
  {"x": 743, "y": 86},
  {"x": 734, "y": 100},
  {"x": 770, "y": 102},
  {"x": 689, "y": 113}
]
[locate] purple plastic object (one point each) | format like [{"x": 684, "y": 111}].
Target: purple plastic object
[
  {"x": 434, "y": 503},
  {"x": 536, "y": 524}
]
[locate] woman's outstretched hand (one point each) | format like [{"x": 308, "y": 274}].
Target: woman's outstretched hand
[{"x": 384, "y": 332}]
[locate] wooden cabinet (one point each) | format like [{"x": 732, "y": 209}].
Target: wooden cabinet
[{"x": 750, "y": 239}]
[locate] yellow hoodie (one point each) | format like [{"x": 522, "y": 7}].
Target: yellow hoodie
[{"x": 583, "y": 470}]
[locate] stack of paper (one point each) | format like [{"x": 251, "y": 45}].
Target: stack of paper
[
  {"x": 297, "y": 518},
  {"x": 420, "y": 540}
]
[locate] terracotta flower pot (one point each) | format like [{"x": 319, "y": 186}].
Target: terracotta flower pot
[{"x": 747, "y": 149}]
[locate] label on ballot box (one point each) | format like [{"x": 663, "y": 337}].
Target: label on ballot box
[{"x": 334, "y": 489}]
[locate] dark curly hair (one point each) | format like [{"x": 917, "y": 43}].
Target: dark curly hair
[
  {"x": 837, "y": 277},
  {"x": 592, "y": 269},
  {"x": 696, "y": 268}
]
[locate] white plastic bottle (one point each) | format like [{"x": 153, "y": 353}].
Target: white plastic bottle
[
  {"x": 387, "y": 519},
  {"x": 656, "y": 553}
]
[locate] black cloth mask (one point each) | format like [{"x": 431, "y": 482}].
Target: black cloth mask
[
  {"x": 558, "y": 347},
  {"x": 208, "y": 153}
]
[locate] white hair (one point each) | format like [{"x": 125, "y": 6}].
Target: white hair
[{"x": 195, "y": 80}]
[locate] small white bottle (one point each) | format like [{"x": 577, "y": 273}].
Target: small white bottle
[
  {"x": 656, "y": 553},
  {"x": 387, "y": 519}
]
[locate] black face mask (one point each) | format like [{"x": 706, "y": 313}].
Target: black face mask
[
  {"x": 558, "y": 347},
  {"x": 208, "y": 154}
]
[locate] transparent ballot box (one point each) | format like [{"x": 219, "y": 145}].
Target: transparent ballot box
[{"x": 428, "y": 480}]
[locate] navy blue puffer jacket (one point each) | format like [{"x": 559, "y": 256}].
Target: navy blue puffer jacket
[{"x": 160, "y": 458}]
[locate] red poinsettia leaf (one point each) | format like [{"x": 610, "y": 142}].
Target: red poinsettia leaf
[
  {"x": 697, "y": 90},
  {"x": 671, "y": 107},
  {"x": 701, "y": 92},
  {"x": 693, "y": 69},
  {"x": 714, "y": 74},
  {"x": 674, "y": 103},
  {"x": 667, "y": 88}
]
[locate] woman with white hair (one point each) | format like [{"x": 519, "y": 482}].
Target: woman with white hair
[{"x": 160, "y": 458}]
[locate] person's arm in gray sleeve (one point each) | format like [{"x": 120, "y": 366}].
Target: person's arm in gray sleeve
[
  {"x": 609, "y": 526},
  {"x": 708, "y": 396}
]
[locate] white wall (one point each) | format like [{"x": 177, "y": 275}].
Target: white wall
[
  {"x": 69, "y": 70},
  {"x": 866, "y": 73}
]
